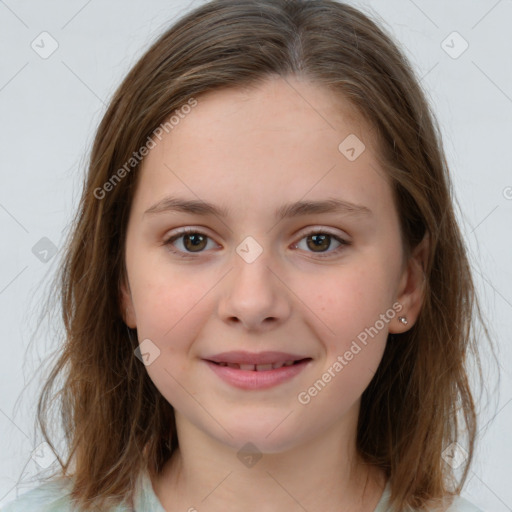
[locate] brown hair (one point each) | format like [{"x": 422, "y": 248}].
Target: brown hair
[{"x": 116, "y": 421}]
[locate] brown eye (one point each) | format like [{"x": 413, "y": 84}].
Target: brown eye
[
  {"x": 320, "y": 242},
  {"x": 192, "y": 242}
]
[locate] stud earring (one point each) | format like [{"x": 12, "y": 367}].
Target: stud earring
[{"x": 403, "y": 320}]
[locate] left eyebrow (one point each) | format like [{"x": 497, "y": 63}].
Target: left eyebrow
[{"x": 198, "y": 207}]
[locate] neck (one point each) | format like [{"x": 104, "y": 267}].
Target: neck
[{"x": 323, "y": 474}]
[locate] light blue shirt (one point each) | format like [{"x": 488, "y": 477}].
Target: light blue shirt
[{"x": 53, "y": 497}]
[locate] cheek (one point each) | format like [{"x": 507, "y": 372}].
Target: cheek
[
  {"x": 170, "y": 307},
  {"x": 171, "y": 314},
  {"x": 347, "y": 301},
  {"x": 348, "y": 322}
]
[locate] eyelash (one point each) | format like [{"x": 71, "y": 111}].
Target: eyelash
[{"x": 189, "y": 231}]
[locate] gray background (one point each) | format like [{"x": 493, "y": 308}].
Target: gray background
[{"x": 50, "y": 107}]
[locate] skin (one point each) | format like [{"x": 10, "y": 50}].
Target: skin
[{"x": 251, "y": 151}]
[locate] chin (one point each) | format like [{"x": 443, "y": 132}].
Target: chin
[{"x": 268, "y": 435}]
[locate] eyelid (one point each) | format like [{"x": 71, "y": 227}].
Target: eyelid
[
  {"x": 168, "y": 240},
  {"x": 322, "y": 229},
  {"x": 310, "y": 230},
  {"x": 314, "y": 230}
]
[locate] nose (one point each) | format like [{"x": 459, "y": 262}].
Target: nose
[{"x": 253, "y": 294}]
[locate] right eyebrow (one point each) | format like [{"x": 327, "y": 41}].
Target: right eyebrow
[{"x": 198, "y": 207}]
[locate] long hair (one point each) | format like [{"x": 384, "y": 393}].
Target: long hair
[{"x": 115, "y": 420}]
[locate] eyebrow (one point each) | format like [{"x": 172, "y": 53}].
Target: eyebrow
[{"x": 198, "y": 207}]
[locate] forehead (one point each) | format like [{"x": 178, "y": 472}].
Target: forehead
[
  {"x": 271, "y": 143},
  {"x": 287, "y": 105}
]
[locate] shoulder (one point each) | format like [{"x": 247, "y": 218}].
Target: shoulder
[
  {"x": 51, "y": 496},
  {"x": 460, "y": 504}
]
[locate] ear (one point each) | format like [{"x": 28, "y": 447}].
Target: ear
[
  {"x": 410, "y": 293},
  {"x": 126, "y": 304}
]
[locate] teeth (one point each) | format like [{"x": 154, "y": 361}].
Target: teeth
[
  {"x": 258, "y": 367},
  {"x": 263, "y": 367},
  {"x": 284, "y": 363}
]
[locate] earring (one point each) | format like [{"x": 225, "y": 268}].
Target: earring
[{"x": 403, "y": 320}]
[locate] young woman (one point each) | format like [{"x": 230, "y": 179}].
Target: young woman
[{"x": 266, "y": 295}]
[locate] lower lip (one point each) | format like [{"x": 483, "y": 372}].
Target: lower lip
[{"x": 250, "y": 379}]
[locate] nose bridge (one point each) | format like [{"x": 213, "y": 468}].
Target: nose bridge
[
  {"x": 252, "y": 261},
  {"x": 254, "y": 292}
]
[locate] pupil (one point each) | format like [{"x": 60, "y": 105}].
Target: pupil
[
  {"x": 195, "y": 239},
  {"x": 321, "y": 239}
]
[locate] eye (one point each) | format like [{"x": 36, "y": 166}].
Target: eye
[
  {"x": 322, "y": 240},
  {"x": 193, "y": 241}
]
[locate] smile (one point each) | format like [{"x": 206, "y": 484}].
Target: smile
[
  {"x": 258, "y": 367},
  {"x": 256, "y": 371}
]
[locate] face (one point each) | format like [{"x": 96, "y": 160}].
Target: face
[{"x": 308, "y": 294}]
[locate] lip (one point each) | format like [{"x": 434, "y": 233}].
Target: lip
[
  {"x": 252, "y": 379},
  {"x": 241, "y": 357}
]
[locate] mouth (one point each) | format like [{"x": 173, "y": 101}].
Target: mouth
[
  {"x": 261, "y": 367},
  {"x": 253, "y": 371}
]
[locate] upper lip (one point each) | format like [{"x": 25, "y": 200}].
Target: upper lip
[{"x": 241, "y": 357}]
